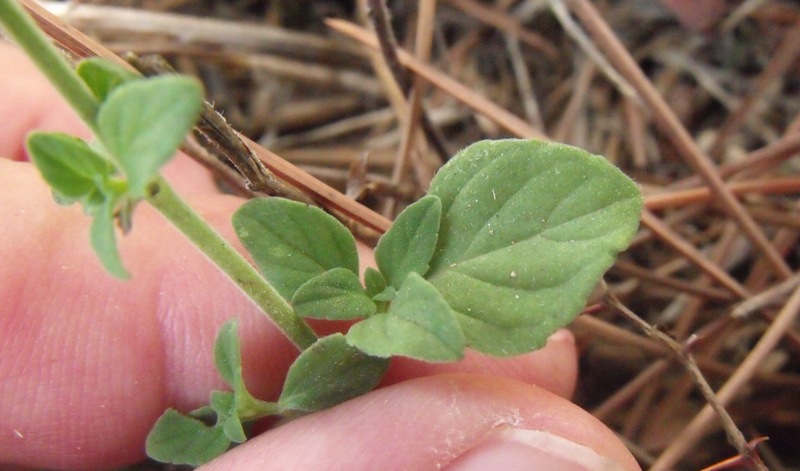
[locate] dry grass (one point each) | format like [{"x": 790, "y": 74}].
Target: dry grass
[{"x": 707, "y": 122}]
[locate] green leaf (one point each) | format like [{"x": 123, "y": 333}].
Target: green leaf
[
  {"x": 328, "y": 373},
  {"x": 374, "y": 281},
  {"x": 388, "y": 294},
  {"x": 102, "y": 76},
  {"x": 227, "y": 354},
  {"x": 74, "y": 171},
  {"x": 225, "y": 405},
  {"x": 336, "y": 294},
  {"x": 104, "y": 240},
  {"x": 409, "y": 244},
  {"x": 419, "y": 324},
  {"x": 178, "y": 439},
  {"x": 528, "y": 228},
  {"x": 143, "y": 122},
  {"x": 228, "y": 360},
  {"x": 292, "y": 242}
]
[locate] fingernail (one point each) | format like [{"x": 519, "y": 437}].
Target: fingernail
[{"x": 513, "y": 449}]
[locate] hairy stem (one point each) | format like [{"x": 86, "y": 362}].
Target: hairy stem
[
  {"x": 217, "y": 249},
  {"x": 19, "y": 25}
]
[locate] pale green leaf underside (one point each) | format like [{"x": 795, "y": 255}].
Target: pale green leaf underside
[
  {"x": 102, "y": 237},
  {"x": 336, "y": 294},
  {"x": 328, "y": 373},
  {"x": 419, "y": 324},
  {"x": 142, "y": 124},
  {"x": 409, "y": 244},
  {"x": 292, "y": 242},
  {"x": 528, "y": 228}
]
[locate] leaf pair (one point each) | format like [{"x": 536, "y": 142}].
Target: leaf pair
[
  {"x": 325, "y": 374},
  {"x": 312, "y": 261},
  {"x": 139, "y": 125},
  {"x": 504, "y": 250}
]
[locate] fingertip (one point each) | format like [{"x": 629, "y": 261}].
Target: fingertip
[
  {"x": 553, "y": 367},
  {"x": 428, "y": 423}
]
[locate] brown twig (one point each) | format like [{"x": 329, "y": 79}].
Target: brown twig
[
  {"x": 388, "y": 47},
  {"x": 675, "y": 131},
  {"x": 735, "y": 436},
  {"x": 363, "y": 220},
  {"x": 481, "y": 104}
]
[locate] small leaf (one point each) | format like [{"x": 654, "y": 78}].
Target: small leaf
[
  {"x": 102, "y": 76},
  {"x": 388, "y": 294},
  {"x": 328, "y": 373},
  {"x": 143, "y": 122},
  {"x": 419, "y": 324},
  {"x": 224, "y": 404},
  {"x": 227, "y": 354},
  {"x": 228, "y": 360},
  {"x": 292, "y": 242},
  {"x": 178, "y": 439},
  {"x": 336, "y": 294},
  {"x": 74, "y": 171},
  {"x": 528, "y": 228},
  {"x": 103, "y": 239},
  {"x": 409, "y": 244},
  {"x": 374, "y": 281}
]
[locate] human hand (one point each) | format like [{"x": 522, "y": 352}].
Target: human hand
[{"x": 87, "y": 362}]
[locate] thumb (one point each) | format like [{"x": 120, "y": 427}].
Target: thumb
[{"x": 455, "y": 422}]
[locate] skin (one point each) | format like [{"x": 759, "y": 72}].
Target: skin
[{"x": 87, "y": 362}]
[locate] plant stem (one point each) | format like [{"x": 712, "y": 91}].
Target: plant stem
[
  {"x": 21, "y": 27},
  {"x": 217, "y": 249}
]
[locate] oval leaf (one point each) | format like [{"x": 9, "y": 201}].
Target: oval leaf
[
  {"x": 409, "y": 244},
  {"x": 142, "y": 123},
  {"x": 528, "y": 228},
  {"x": 103, "y": 239},
  {"x": 70, "y": 166},
  {"x": 292, "y": 242},
  {"x": 328, "y": 373},
  {"x": 419, "y": 324},
  {"x": 374, "y": 281},
  {"x": 336, "y": 295},
  {"x": 227, "y": 354},
  {"x": 178, "y": 439},
  {"x": 102, "y": 75}
]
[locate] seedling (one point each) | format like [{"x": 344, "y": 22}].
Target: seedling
[{"x": 503, "y": 250}]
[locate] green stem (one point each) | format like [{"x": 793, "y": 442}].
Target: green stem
[
  {"x": 217, "y": 249},
  {"x": 21, "y": 27}
]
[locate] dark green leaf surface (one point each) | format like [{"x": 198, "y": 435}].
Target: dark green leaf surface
[
  {"x": 102, "y": 76},
  {"x": 142, "y": 124},
  {"x": 178, "y": 439},
  {"x": 528, "y": 228},
  {"x": 328, "y": 373},
  {"x": 419, "y": 324},
  {"x": 292, "y": 242},
  {"x": 409, "y": 244},
  {"x": 336, "y": 294}
]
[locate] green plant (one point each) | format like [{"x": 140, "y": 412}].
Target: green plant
[{"x": 505, "y": 248}]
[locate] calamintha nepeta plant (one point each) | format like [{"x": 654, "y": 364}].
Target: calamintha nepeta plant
[{"x": 503, "y": 250}]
